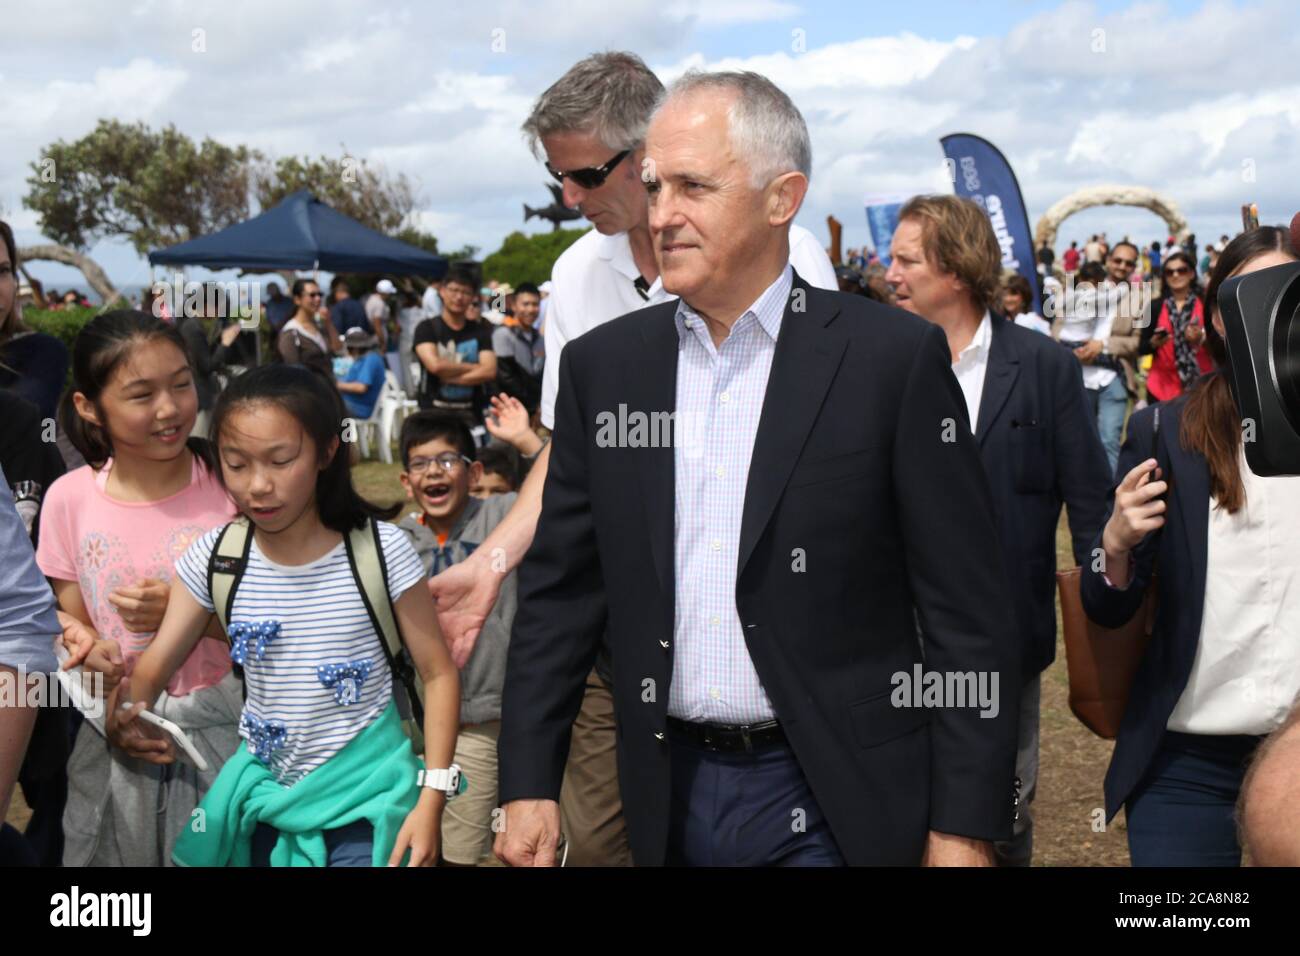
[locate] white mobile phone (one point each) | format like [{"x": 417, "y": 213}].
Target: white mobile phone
[{"x": 182, "y": 739}]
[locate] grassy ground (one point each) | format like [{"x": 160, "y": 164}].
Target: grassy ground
[{"x": 1072, "y": 761}]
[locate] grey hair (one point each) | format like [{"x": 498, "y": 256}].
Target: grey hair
[
  {"x": 609, "y": 94},
  {"x": 765, "y": 126}
]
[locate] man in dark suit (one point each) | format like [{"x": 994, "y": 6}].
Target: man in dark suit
[
  {"x": 1037, "y": 439},
  {"x": 758, "y": 569}
]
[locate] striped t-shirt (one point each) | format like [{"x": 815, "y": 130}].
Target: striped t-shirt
[{"x": 316, "y": 671}]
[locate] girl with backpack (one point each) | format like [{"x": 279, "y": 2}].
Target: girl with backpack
[{"x": 324, "y": 775}]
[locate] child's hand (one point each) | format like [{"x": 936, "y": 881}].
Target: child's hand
[
  {"x": 420, "y": 832},
  {"x": 105, "y": 658},
  {"x": 141, "y": 607},
  {"x": 138, "y": 738},
  {"x": 78, "y": 639},
  {"x": 508, "y": 420}
]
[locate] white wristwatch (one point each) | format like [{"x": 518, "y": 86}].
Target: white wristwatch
[{"x": 449, "y": 780}]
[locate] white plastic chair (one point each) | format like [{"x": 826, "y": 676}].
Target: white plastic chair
[{"x": 383, "y": 419}]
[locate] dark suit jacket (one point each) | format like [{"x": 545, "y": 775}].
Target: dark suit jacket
[
  {"x": 1179, "y": 551},
  {"x": 1040, "y": 448},
  {"x": 850, "y": 465}
]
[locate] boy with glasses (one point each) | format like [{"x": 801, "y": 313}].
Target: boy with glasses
[{"x": 439, "y": 469}]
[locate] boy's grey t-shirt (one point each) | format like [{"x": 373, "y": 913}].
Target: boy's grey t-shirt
[{"x": 484, "y": 675}]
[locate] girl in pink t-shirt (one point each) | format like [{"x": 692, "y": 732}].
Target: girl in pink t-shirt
[{"x": 110, "y": 534}]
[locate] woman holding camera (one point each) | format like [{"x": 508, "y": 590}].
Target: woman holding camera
[{"x": 1217, "y": 542}]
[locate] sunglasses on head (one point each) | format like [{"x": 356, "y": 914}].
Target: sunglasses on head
[{"x": 593, "y": 177}]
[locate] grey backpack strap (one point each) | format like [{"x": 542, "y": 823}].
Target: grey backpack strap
[
  {"x": 226, "y": 567},
  {"x": 366, "y": 558}
]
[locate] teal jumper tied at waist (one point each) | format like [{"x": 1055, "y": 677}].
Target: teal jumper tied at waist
[{"x": 372, "y": 778}]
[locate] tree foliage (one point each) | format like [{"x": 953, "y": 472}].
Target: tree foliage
[
  {"x": 429, "y": 243},
  {"x": 158, "y": 187},
  {"x": 524, "y": 258},
  {"x": 152, "y": 187}
]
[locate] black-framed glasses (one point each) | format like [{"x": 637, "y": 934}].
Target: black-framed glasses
[
  {"x": 447, "y": 461},
  {"x": 1127, "y": 263},
  {"x": 1177, "y": 271},
  {"x": 593, "y": 177}
]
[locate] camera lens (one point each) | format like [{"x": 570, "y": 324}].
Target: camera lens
[{"x": 1286, "y": 351}]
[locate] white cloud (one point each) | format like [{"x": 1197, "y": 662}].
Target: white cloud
[{"x": 1178, "y": 102}]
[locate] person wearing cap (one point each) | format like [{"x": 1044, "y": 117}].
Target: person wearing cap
[
  {"x": 364, "y": 379},
  {"x": 377, "y": 310}
]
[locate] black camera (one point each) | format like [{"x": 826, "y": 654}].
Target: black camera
[{"x": 1261, "y": 319}]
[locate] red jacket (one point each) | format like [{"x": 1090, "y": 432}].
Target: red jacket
[{"x": 1163, "y": 382}]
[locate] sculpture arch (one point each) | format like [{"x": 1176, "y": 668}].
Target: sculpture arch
[{"x": 1082, "y": 199}]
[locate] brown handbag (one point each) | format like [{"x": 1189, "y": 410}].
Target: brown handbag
[{"x": 1102, "y": 661}]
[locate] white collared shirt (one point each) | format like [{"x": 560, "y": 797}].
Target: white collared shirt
[
  {"x": 972, "y": 364},
  {"x": 720, "y": 392},
  {"x": 1246, "y": 674},
  {"x": 1089, "y": 315},
  {"x": 594, "y": 282}
]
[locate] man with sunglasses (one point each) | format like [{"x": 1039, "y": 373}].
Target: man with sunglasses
[
  {"x": 1113, "y": 351},
  {"x": 589, "y": 128}
]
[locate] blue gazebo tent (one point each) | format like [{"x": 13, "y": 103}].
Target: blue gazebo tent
[{"x": 303, "y": 233}]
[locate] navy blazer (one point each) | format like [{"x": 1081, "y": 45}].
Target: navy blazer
[
  {"x": 850, "y": 470},
  {"x": 1179, "y": 551},
  {"x": 1039, "y": 444}
]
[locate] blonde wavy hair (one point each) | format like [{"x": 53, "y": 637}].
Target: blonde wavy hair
[{"x": 958, "y": 238}]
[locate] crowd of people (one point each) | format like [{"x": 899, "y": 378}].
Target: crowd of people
[{"x": 607, "y": 651}]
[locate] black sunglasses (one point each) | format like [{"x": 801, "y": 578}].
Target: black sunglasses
[{"x": 593, "y": 177}]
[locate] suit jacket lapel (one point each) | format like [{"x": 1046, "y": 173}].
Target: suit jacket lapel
[
  {"x": 999, "y": 378},
  {"x": 808, "y": 351},
  {"x": 653, "y": 388}
]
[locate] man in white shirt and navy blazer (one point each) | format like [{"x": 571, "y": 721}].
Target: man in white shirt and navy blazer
[
  {"x": 1037, "y": 439},
  {"x": 758, "y": 579}
]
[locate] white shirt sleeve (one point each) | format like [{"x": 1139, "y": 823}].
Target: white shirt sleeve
[
  {"x": 810, "y": 260},
  {"x": 556, "y": 336},
  {"x": 405, "y": 569}
]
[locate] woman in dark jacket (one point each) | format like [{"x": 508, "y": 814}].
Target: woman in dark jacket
[
  {"x": 32, "y": 364},
  {"x": 1223, "y": 665}
]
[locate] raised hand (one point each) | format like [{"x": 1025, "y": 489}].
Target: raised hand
[
  {"x": 1139, "y": 509},
  {"x": 508, "y": 421}
]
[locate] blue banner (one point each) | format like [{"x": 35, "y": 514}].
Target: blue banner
[
  {"x": 882, "y": 219},
  {"x": 981, "y": 173}
]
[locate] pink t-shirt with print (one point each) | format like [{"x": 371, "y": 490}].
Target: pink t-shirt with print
[{"x": 104, "y": 544}]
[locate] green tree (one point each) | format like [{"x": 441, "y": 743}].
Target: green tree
[
  {"x": 523, "y": 258},
  {"x": 429, "y": 243},
  {"x": 152, "y": 187}
]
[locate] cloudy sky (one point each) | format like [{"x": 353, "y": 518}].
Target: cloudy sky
[{"x": 1198, "y": 100}]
